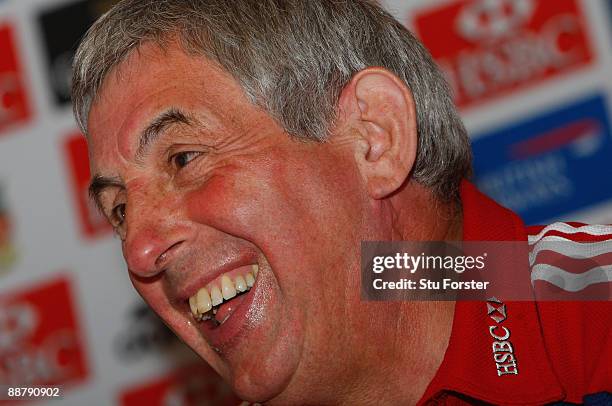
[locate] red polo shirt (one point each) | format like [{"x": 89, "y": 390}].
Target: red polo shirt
[{"x": 559, "y": 351}]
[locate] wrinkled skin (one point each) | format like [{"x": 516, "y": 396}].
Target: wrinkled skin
[{"x": 232, "y": 186}]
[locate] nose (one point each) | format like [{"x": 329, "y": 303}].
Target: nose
[{"x": 155, "y": 234}]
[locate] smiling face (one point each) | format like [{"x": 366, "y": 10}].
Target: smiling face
[{"x": 203, "y": 186}]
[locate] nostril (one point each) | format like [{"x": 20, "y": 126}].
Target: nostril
[{"x": 164, "y": 257}]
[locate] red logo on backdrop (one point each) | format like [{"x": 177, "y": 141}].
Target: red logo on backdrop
[
  {"x": 14, "y": 106},
  {"x": 492, "y": 47},
  {"x": 191, "y": 386},
  {"x": 93, "y": 223},
  {"x": 40, "y": 340}
]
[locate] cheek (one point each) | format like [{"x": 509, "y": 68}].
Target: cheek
[
  {"x": 280, "y": 206},
  {"x": 243, "y": 202}
]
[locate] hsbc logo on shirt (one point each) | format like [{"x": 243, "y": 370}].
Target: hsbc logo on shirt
[
  {"x": 14, "y": 105},
  {"x": 488, "y": 48},
  {"x": 503, "y": 351},
  {"x": 92, "y": 222},
  {"x": 40, "y": 340}
]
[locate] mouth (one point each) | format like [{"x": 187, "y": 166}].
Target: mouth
[{"x": 214, "y": 304}]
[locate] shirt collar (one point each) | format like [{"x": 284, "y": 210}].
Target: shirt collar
[{"x": 469, "y": 368}]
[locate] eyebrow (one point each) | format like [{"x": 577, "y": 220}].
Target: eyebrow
[
  {"x": 161, "y": 123},
  {"x": 154, "y": 130},
  {"x": 99, "y": 184}
]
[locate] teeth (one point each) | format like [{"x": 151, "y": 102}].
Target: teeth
[
  {"x": 227, "y": 287},
  {"x": 250, "y": 281},
  {"x": 193, "y": 305},
  {"x": 203, "y": 301},
  {"x": 241, "y": 285},
  {"x": 215, "y": 295},
  {"x": 207, "y": 298}
]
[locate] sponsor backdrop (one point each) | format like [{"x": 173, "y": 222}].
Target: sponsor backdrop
[{"x": 533, "y": 83}]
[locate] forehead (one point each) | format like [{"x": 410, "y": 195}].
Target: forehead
[{"x": 151, "y": 80}]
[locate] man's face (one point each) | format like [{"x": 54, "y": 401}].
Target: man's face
[{"x": 199, "y": 182}]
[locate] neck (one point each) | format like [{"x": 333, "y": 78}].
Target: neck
[
  {"x": 410, "y": 337},
  {"x": 406, "y": 349},
  {"x": 391, "y": 350},
  {"x": 416, "y": 214}
]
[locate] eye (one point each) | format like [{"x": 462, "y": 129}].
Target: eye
[
  {"x": 181, "y": 159},
  {"x": 118, "y": 215}
]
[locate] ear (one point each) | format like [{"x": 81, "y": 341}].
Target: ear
[{"x": 381, "y": 109}]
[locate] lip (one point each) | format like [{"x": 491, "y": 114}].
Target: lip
[
  {"x": 204, "y": 278},
  {"x": 221, "y": 337},
  {"x": 224, "y": 336}
]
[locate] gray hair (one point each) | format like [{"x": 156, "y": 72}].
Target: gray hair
[{"x": 292, "y": 58}]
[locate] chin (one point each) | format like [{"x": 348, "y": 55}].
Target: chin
[{"x": 256, "y": 348}]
